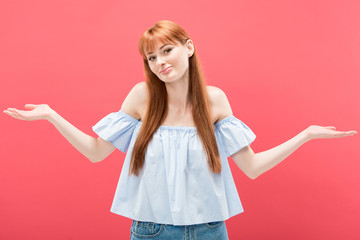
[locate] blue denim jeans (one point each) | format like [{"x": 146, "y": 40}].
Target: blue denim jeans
[{"x": 205, "y": 231}]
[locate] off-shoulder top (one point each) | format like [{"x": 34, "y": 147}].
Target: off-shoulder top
[{"x": 175, "y": 185}]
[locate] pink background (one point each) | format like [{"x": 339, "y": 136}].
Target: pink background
[{"x": 284, "y": 65}]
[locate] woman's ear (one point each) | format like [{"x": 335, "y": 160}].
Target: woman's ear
[{"x": 190, "y": 46}]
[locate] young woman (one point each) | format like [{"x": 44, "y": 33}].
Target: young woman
[{"x": 176, "y": 182}]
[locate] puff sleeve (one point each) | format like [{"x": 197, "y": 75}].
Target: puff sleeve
[
  {"x": 234, "y": 134},
  {"x": 117, "y": 128}
]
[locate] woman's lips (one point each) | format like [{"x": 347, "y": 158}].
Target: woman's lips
[{"x": 166, "y": 70}]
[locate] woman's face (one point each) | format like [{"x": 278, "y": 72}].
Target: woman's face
[{"x": 170, "y": 62}]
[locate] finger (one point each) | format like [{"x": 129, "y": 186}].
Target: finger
[
  {"x": 331, "y": 127},
  {"x": 7, "y": 112},
  {"x": 348, "y": 132},
  {"x": 17, "y": 116},
  {"x": 20, "y": 114},
  {"x": 345, "y": 134},
  {"x": 30, "y": 106},
  {"x": 14, "y": 114},
  {"x": 12, "y": 110}
]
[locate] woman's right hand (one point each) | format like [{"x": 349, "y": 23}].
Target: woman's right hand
[{"x": 35, "y": 112}]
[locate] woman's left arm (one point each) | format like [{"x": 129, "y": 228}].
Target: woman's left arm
[{"x": 255, "y": 164}]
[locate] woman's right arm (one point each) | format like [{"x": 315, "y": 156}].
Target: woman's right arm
[{"x": 94, "y": 149}]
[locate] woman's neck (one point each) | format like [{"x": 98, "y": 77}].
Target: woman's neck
[{"x": 178, "y": 98}]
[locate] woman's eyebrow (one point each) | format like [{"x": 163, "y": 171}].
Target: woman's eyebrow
[{"x": 159, "y": 48}]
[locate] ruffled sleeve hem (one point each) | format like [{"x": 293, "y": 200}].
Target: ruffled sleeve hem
[
  {"x": 234, "y": 134},
  {"x": 117, "y": 128}
]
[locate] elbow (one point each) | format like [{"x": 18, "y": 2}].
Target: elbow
[
  {"x": 92, "y": 160},
  {"x": 95, "y": 159},
  {"x": 253, "y": 175}
]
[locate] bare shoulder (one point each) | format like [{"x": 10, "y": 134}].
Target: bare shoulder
[
  {"x": 219, "y": 103},
  {"x": 136, "y": 101}
]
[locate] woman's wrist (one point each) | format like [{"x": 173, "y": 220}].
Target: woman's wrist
[
  {"x": 51, "y": 116},
  {"x": 304, "y": 136}
]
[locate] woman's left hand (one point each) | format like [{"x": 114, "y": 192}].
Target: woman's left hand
[{"x": 315, "y": 132}]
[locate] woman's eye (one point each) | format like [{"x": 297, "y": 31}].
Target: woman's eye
[{"x": 166, "y": 51}]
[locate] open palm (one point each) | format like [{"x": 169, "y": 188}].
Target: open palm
[
  {"x": 315, "y": 132},
  {"x": 35, "y": 112}
]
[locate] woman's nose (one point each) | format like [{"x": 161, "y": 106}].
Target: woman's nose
[{"x": 160, "y": 61}]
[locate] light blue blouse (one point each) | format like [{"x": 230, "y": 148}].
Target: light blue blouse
[{"x": 175, "y": 185}]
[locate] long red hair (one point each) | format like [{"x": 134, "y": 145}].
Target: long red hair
[{"x": 169, "y": 32}]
